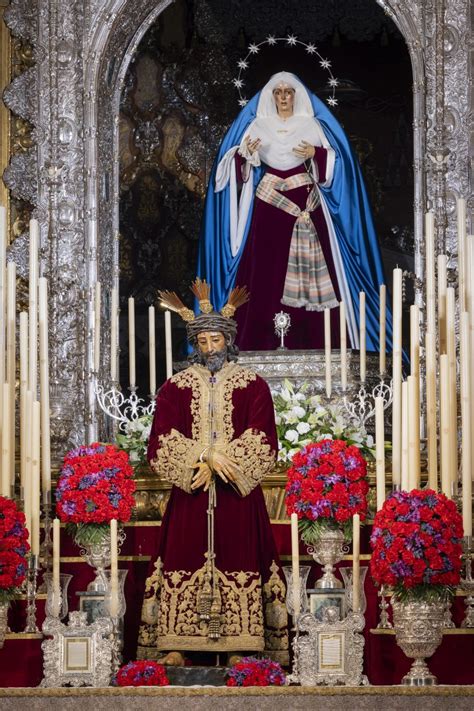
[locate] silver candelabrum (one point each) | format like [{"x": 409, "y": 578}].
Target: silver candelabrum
[
  {"x": 361, "y": 405},
  {"x": 123, "y": 410}
]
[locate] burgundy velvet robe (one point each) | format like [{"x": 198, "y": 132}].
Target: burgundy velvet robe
[
  {"x": 263, "y": 270},
  {"x": 244, "y": 544}
]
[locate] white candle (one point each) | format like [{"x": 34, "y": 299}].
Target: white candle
[
  {"x": 44, "y": 386},
  {"x": 152, "y": 349},
  {"x": 430, "y": 273},
  {"x": 131, "y": 342},
  {"x": 466, "y": 446},
  {"x": 113, "y": 568},
  {"x": 414, "y": 339},
  {"x": 404, "y": 444},
  {"x": 327, "y": 350},
  {"x": 6, "y": 440},
  {"x": 56, "y": 564},
  {"x": 3, "y": 262},
  {"x": 379, "y": 452},
  {"x": 442, "y": 286},
  {"x": 362, "y": 329},
  {"x": 168, "y": 345},
  {"x": 343, "y": 339},
  {"x": 295, "y": 564},
  {"x": 11, "y": 360},
  {"x": 97, "y": 306},
  {"x": 356, "y": 562},
  {"x": 113, "y": 334},
  {"x": 444, "y": 424},
  {"x": 470, "y": 308},
  {"x": 382, "y": 328},
  {"x": 431, "y": 427},
  {"x": 35, "y": 478},
  {"x": 23, "y": 389},
  {"x": 27, "y": 490},
  {"x": 413, "y": 433},
  {"x": 453, "y": 403},
  {"x": 33, "y": 307},
  {"x": 461, "y": 220},
  {"x": 397, "y": 377}
]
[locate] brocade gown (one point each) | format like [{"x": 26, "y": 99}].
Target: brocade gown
[{"x": 233, "y": 410}]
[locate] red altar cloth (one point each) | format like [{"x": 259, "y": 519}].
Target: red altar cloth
[{"x": 385, "y": 663}]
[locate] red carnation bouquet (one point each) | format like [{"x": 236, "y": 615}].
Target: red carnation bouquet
[
  {"x": 416, "y": 542},
  {"x": 142, "y": 673},
  {"x": 327, "y": 485},
  {"x": 95, "y": 485},
  {"x": 13, "y": 549},
  {"x": 256, "y": 672}
]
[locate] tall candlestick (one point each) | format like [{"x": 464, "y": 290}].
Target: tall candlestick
[
  {"x": 431, "y": 428},
  {"x": 466, "y": 446},
  {"x": 168, "y": 345},
  {"x": 33, "y": 307},
  {"x": 461, "y": 224},
  {"x": 397, "y": 377},
  {"x": 343, "y": 339},
  {"x": 430, "y": 273},
  {"x": 453, "y": 404},
  {"x": 23, "y": 389},
  {"x": 44, "y": 386},
  {"x": 6, "y": 440},
  {"x": 442, "y": 286},
  {"x": 131, "y": 342},
  {"x": 379, "y": 452},
  {"x": 444, "y": 424},
  {"x": 27, "y": 489},
  {"x": 356, "y": 562},
  {"x": 414, "y": 339},
  {"x": 363, "y": 340},
  {"x": 404, "y": 445},
  {"x": 327, "y": 350},
  {"x": 295, "y": 564},
  {"x": 382, "y": 328},
  {"x": 470, "y": 308},
  {"x": 113, "y": 334},
  {"x": 11, "y": 360},
  {"x": 413, "y": 433},
  {"x": 152, "y": 349},
  {"x": 3, "y": 263},
  {"x": 113, "y": 568},
  {"x": 97, "y": 306},
  {"x": 56, "y": 564},
  {"x": 35, "y": 478}
]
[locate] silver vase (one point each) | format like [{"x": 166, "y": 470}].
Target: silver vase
[
  {"x": 419, "y": 628},
  {"x": 97, "y": 554},
  {"x": 328, "y": 550}
]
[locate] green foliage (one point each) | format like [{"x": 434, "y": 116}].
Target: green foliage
[
  {"x": 135, "y": 440},
  {"x": 87, "y": 534},
  {"x": 311, "y": 531},
  {"x": 427, "y": 593}
]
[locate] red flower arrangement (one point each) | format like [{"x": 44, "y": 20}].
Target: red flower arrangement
[
  {"x": 416, "y": 543},
  {"x": 96, "y": 484},
  {"x": 256, "y": 672},
  {"x": 327, "y": 485},
  {"x": 142, "y": 673},
  {"x": 13, "y": 549}
]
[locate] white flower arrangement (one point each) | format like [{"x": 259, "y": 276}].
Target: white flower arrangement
[
  {"x": 301, "y": 418},
  {"x": 135, "y": 439}
]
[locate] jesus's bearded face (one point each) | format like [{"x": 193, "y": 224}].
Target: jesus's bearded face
[{"x": 212, "y": 347}]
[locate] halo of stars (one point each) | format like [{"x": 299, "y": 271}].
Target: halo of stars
[{"x": 290, "y": 41}]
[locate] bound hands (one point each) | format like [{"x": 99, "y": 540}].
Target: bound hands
[
  {"x": 304, "y": 150},
  {"x": 218, "y": 463}
]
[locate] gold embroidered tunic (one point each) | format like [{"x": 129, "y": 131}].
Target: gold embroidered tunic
[{"x": 232, "y": 411}]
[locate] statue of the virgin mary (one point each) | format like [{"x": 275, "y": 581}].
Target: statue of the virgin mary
[{"x": 287, "y": 214}]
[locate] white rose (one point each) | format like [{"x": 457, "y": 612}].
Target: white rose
[
  {"x": 300, "y": 397},
  {"x": 291, "y": 436},
  {"x": 303, "y": 427},
  {"x": 298, "y": 411}
]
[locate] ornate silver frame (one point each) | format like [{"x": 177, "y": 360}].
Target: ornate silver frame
[
  {"x": 99, "y": 641},
  {"x": 71, "y": 97},
  {"x": 307, "y": 667}
]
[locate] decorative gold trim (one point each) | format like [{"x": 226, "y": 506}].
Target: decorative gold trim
[
  {"x": 5, "y": 78},
  {"x": 24, "y": 635},
  {"x": 447, "y": 630},
  {"x": 125, "y": 558}
]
